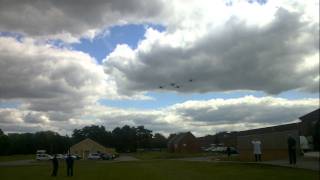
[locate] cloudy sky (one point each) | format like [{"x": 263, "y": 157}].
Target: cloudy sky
[{"x": 171, "y": 65}]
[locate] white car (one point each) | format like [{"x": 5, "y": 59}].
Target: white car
[
  {"x": 94, "y": 156},
  {"x": 73, "y": 156},
  {"x": 60, "y": 156},
  {"x": 219, "y": 149},
  {"x": 40, "y": 157}
]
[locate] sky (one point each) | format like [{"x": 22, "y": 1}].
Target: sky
[{"x": 170, "y": 65}]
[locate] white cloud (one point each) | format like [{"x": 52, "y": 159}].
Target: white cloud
[
  {"x": 46, "y": 78},
  {"x": 36, "y": 118},
  {"x": 70, "y": 20},
  {"x": 208, "y": 117},
  {"x": 223, "y": 48},
  {"x": 200, "y": 117},
  {"x": 10, "y": 116},
  {"x": 207, "y": 46}
]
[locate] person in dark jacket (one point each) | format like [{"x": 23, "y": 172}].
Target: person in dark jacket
[
  {"x": 55, "y": 165},
  {"x": 69, "y": 161},
  {"x": 292, "y": 150},
  {"x": 228, "y": 152}
]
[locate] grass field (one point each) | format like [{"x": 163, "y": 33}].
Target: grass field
[
  {"x": 158, "y": 170},
  {"x": 17, "y": 157},
  {"x": 166, "y": 155}
]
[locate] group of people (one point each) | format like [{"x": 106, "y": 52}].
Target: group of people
[
  {"x": 291, "y": 150},
  {"x": 69, "y": 162}
]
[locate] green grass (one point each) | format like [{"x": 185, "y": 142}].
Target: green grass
[
  {"x": 17, "y": 157},
  {"x": 158, "y": 170},
  {"x": 166, "y": 155}
]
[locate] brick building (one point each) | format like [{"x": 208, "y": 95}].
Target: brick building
[{"x": 183, "y": 143}]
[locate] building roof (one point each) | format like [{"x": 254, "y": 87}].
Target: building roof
[
  {"x": 284, "y": 127},
  {"x": 177, "y": 138},
  {"x": 314, "y": 115},
  {"x": 87, "y": 140}
]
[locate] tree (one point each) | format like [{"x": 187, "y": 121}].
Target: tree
[
  {"x": 159, "y": 141},
  {"x": 4, "y": 143},
  {"x": 144, "y": 137},
  {"x": 28, "y": 143},
  {"x": 125, "y": 139},
  {"x": 96, "y": 133}
]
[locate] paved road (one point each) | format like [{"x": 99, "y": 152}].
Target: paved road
[
  {"x": 303, "y": 163},
  {"x": 312, "y": 164}
]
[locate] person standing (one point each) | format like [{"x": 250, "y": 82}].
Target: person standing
[
  {"x": 228, "y": 152},
  {"x": 69, "y": 161},
  {"x": 55, "y": 165},
  {"x": 292, "y": 150},
  {"x": 257, "y": 150}
]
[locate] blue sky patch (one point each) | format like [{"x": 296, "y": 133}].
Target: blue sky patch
[{"x": 101, "y": 46}]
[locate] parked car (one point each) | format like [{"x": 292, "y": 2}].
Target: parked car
[
  {"x": 107, "y": 156},
  {"x": 60, "y": 156},
  {"x": 41, "y": 151},
  {"x": 94, "y": 156},
  {"x": 209, "y": 149},
  {"x": 41, "y": 157},
  {"x": 223, "y": 149},
  {"x": 219, "y": 149},
  {"x": 74, "y": 156}
]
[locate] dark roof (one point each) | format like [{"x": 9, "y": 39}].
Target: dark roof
[
  {"x": 175, "y": 139},
  {"x": 284, "y": 127},
  {"x": 310, "y": 116}
]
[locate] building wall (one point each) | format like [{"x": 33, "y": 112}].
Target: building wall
[
  {"x": 188, "y": 144},
  {"x": 230, "y": 140},
  {"x": 87, "y": 146},
  {"x": 310, "y": 128},
  {"x": 273, "y": 144}
]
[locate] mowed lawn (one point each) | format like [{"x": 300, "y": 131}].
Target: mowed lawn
[
  {"x": 158, "y": 170},
  {"x": 167, "y": 155},
  {"x": 17, "y": 157}
]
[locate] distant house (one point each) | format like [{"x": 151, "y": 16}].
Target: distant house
[
  {"x": 183, "y": 143},
  {"x": 87, "y": 146}
]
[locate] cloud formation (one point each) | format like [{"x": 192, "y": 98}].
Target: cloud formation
[
  {"x": 271, "y": 49},
  {"x": 70, "y": 20},
  {"x": 207, "y": 46},
  {"x": 200, "y": 117},
  {"x": 208, "y": 117},
  {"x": 45, "y": 78}
]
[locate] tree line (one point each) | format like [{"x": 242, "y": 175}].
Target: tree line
[{"x": 123, "y": 139}]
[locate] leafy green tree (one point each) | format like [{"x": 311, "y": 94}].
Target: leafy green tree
[
  {"x": 96, "y": 133},
  {"x": 144, "y": 137},
  {"x": 159, "y": 141},
  {"x": 125, "y": 139},
  {"x": 4, "y": 143}
]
